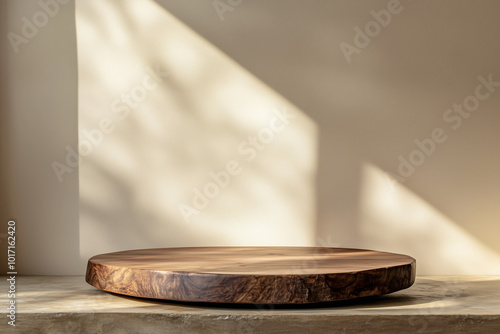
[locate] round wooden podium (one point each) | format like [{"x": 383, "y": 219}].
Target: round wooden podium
[{"x": 251, "y": 275}]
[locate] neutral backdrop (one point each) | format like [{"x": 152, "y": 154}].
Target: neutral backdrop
[{"x": 331, "y": 176}]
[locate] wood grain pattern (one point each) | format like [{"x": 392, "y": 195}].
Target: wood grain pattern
[{"x": 256, "y": 275}]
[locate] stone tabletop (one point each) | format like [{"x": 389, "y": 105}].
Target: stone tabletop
[{"x": 434, "y": 304}]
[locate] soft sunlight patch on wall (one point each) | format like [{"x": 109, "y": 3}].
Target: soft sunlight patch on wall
[
  {"x": 182, "y": 146},
  {"x": 395, "y": 219}
]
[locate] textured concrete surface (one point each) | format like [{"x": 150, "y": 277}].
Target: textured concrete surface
[{"x": 66, "y": 304}]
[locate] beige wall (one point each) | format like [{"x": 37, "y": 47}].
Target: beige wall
[
  {"x": 331, "y": 178},
  {"x": 39, "y": 112}
]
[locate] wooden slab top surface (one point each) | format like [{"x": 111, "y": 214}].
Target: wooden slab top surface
[
  {"x": 279, "y": 275},
  {"x": 253, "y": 260}
]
